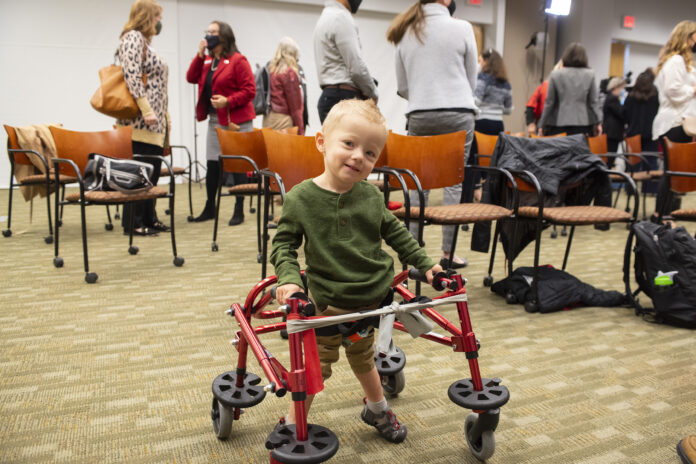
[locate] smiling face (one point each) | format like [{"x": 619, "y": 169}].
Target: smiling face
[{"x": 351, "y": 149}]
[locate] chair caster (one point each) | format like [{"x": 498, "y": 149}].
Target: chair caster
[
  {"x": 510, "y": 298},
  {"x": 178, "y": 261},
  {"x": 133, "y": 250},
  {"x": 109, "y": 226},
  {"x": 531, "y": 307},
  {"x": 465, "y": 227},
  {"x": 60, "y": 223},
  {"x": 190, "y": 218},
  {"x": 91, "y": 277},
  {"x": 564, "y": 232},
  {"x": 259, "y": 258},
  {"x": 214, "y": 247},
  {"x": 252, "y": 210},
  {"x": 117, "y": 216},
  {"x": 7, "y": 233},
  {"x": 554, "y": 234},
  {"x": 167, "y": 212},
  {"x": 488, "y": 281},
  {"x": 58, "y": 262},
  {"x": 48, "y": 239}
]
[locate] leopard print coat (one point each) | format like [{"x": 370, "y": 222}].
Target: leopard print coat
[{"x": 151, "y": 97}]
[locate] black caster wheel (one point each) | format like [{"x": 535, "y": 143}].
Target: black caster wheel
[
  {"x": 390, "y": 364},
  {"x": 259, "y": 258},
  {"x": 178, "y": 261},
  {"x": 554, "y": 234},
  {"x": 109, "y": 226},
  {"x": 117, "y": 216},
  {"x": 222, "y": 417},
  {"x": 252, "y": 210},
  {"x": 564, "y": 232},
  {"x": 91, "y": 277},
  {"x": 488, "y": 281},
  {"x": 58, "y": 262},
  {"x": 394, "y": 384},
  {"x": 167, "y": 212},
  {"x": 531, "y": 307},
  {"x": 133, "y": 250},
  {"x": 7, "y": 233},
  {"x": 465, "y": 227},
  {"x": 481, "y": 447},
  {"x": 214, "y": 247},
  {"x": 190, "y": 218},
  {"x": 49, "y": 239},
  {"x": 510, "y": 298}
]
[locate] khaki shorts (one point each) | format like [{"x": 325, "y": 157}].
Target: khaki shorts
[{"x": 360, "y": 352}]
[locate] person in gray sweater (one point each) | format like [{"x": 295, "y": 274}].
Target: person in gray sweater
[
  {"x": 571, "y": 102},
  {"x": 436, "y": 72}
]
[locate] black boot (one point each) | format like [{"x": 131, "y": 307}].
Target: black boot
[
  {"x": 207, "y": 214},
  {"x": 238, "y": 216}
]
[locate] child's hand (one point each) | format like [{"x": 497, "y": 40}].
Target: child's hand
[
  {"x": 429, "y": 274},
  {"x": 284, "y": 291}
]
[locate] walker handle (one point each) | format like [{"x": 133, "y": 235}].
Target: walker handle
[{"x": 441, "y": 280}]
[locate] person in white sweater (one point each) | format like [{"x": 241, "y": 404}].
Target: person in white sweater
[
  {"x": 436, "y": 59},
  {"x": 676, "y": 83}
]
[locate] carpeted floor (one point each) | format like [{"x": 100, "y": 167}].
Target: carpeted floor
[{"x": 121, "y": 371}]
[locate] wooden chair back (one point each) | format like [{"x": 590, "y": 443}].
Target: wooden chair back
[
  {"x": 535, "y": 136},
  {"x": 290, "y": 130},
  {"x": 437, "y": 160},
  {"x": 13, "y": 144},
  {"x": 77, "y": 146},
  {"x": 633, "y": 145},
  {"x": 293, "y": 157},
  {"x": 681, "y": 157},
  {"x": 598, "y": 144},
  {"x": 250, "y": 144},
  {"x": 485, "y": 144}
]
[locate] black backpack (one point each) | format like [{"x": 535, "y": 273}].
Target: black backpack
[{"x": 665, "y": 269}]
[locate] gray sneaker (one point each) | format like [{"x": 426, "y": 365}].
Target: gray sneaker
[{"x": 386, "y": 424}]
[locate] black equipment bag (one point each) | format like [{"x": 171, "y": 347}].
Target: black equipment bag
[
  {"x": 670, "y": 256},
  {"x": 117, "y": 174}
]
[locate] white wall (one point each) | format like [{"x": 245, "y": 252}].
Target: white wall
[{"x": 639, "y": 57}]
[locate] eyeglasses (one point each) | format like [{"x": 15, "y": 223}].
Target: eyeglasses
[{"x": 209, "y": 32}]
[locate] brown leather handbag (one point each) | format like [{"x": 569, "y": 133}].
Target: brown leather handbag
[{"x": 113, "y": 98}]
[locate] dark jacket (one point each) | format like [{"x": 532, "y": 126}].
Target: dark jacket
[
  {"x": 639, "y": 115},
  {"x": 613, "y": 124}
]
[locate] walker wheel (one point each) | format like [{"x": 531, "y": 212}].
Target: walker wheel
[
  {"x": 484, "y": 446},
  {"x": 320, "y": 446},
  {"x": 222, "y": 417},
  {"x": 225, "y": 390},
  {"x": 390, "y": 364},
  {"x": 394, "y": 384}
]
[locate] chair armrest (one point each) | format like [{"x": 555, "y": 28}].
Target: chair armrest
[
  {"x": 634, "y": 189},
  {"x": 185, "y": 148},
  {"x": 267, "y": 175},
  {"x": 530, "y": 178},
  {"x": 12, "y": 151},
  {"x": 166, "y": 163},
  {"x": 387, "y": 171},
  {"x": 251, "y": 162}
]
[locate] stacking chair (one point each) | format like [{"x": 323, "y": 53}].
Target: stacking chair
[
  {"x": 565, "y": 215},
  {"x": 636, "y": 162},
  {"x": 73, "y": 149},
  {"x": 180, "y": 171},
  {"x": 19, "y": 156},
  {"x": 433, "y": 162},
  {"x": 291, "y": 159},
  {"x": 242, "y": 152},
  {"x": 680, "y": 175}
]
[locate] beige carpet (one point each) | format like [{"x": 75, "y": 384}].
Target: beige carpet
[{"x": 121, "y": 371}]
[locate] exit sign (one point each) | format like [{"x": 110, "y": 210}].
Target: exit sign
[
  {"x": 475, "y": 2},
  {"x": 629, "y": 22}
]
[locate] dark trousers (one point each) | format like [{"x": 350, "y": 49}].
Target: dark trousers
[
  {"x": 666, "y": 200},
  {"x": 212, "y": 182},
  {"x": 144, "y": 214},
  {"x": 329, "y": 97},
  {"x": 473, "y": 178}
]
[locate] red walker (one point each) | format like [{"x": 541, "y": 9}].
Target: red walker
[{"x": 309, "y": 443}]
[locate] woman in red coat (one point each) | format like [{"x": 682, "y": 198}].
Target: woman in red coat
[{"x": 226, "y": 89}]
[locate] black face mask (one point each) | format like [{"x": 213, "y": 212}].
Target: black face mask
[
  {"x": 452, "y": 6},
  {"x": 158, "y": 27},
  {"x": 354, "y": 5},
  {"x": 213, "y": 41}
]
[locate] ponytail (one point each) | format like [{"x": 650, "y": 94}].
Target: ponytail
[{"x": 413, "y": 17}]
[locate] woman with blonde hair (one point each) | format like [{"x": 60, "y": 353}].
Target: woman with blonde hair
[
  {"x": 676, "y": 83},
  {"x": 436, "y": 72},
  {"x": 151, "y": 126},
  {"x": 286, "y": 94}
]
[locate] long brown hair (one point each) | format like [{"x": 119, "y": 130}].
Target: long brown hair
[
  {"x": 142, "y": 18},
  {"x": 677, "y": 44},
  {"x": 493, "y": 65},
  {"x": 644, "y": 88},
  {"x": 227, "y": 39},
  {"x": 413, "y": 17}
]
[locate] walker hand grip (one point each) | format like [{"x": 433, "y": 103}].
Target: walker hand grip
[
  {"x": 415, "y": 274},
  {"x": 441, "y": 281}
]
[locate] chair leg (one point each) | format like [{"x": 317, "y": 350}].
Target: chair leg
[
  {"x": 57, "y": 260},
  {"x": 533, "y": 306},
  {"x": 48, "y": 239},
  {"x": 8, "y": 232},
  {"x": 214, "y": 246},
  {"x": 618, "y": 194},
  {"x": 117, "y": 214},
  {"x": 567, "y": 251},
  {"x": 109, "y": 225},
  {"x": 90, "y": 277},
  {"x": 190, "y": 201},
  {"x": 488, "y": 279},
  {"x": 178, "y": 260},
  {"x": 62, "y": 204}
]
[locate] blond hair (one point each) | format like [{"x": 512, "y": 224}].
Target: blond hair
[
  {"x": 366, "y": 109},
  {"x": 677, "y": 44},
  {"x": 142, "y": 18},
  {"x": 413, "y": 18},
  {"x": 285, "y": 57}
]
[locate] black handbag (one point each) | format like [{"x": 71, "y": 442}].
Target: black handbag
[{"x": 116, "y": 174}]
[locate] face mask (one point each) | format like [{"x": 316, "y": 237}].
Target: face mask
[
  {"x": 158, "y": 27},
  {"x": 452, "y": 6},
  {"x": 213, "y": 41},
  {"x": 354, "y": 5}
]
